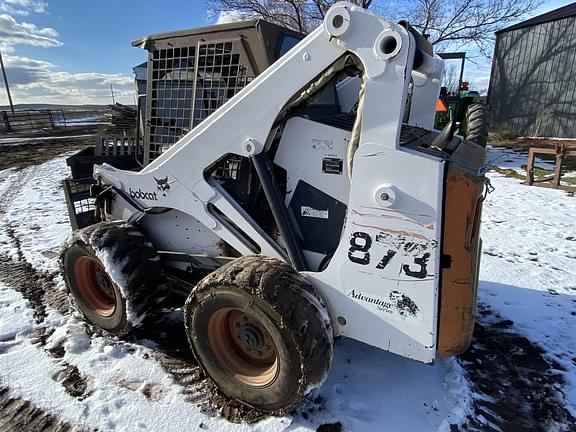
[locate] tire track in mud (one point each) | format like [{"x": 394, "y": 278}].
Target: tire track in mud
[
  {"x": 39, "y": 289},
  {"x": 23, "y": 176},
  {"x": 18, "y": 414},
  {"x": 166, "y": 339},
  {"x": 515, "y": 387},
  {"x": 36, "y": 287}
]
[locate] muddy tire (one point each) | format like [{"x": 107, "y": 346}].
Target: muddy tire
[
  {"x": 477, "y": 124},
  {"x": 261, "y": 332},
  {"x": 114, "y": 277}
]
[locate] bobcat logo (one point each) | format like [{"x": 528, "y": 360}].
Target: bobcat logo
[{"x": 163, "y": 185}]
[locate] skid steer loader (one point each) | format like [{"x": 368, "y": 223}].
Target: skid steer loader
[{"x": 287, "y": 224}]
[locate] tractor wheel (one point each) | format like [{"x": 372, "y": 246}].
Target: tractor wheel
[
  {"x": 114, "y": 276},
  {"x": 477, "y": 124},
  {"x": 261, "y": 332}
]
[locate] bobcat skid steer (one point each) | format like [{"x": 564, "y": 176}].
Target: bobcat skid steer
[{"x": 317, "y": 202}]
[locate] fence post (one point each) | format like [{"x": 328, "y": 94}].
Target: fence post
[
  {"x": 4, "y": 116},
  {"x": 530, "y": 167},
  {"x": 558, "y": 166}
]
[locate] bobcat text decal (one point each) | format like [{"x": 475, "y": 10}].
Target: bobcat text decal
[{"x": 140, "y": 194}]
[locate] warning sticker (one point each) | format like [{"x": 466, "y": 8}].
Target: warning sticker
[{"x": 313, "y": 213}]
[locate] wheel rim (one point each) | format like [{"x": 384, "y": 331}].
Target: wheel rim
[
  {"x": 94, "y": 286},
  {"x": 243, "y": 347}
]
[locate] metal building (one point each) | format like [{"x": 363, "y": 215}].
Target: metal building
[{"x": 533, "y": 81}]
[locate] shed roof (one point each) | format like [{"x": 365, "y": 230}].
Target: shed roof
[{"x": 556, "y": 14}]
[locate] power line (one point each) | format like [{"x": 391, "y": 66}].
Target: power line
[{"x": 6, "y": 84}]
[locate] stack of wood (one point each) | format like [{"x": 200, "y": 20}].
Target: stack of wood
[{"x": 122, "y": 117}]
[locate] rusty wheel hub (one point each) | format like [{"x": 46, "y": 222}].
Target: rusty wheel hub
[
  {"x": 94, "y": 286},
  {"x": 243, "y": 347}
]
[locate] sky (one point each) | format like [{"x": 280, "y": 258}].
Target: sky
[{"x": 71, "y": 51}]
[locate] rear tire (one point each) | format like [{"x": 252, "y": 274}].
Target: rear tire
[
  {"x": 114, "y": 276},
  {"x": 261, "y": 332},
  {"x": 477, "y": 124}
]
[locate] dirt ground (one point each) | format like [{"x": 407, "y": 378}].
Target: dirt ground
[
  {"x": 37, "y": 150},
  {"x": 514, "y": 382}
]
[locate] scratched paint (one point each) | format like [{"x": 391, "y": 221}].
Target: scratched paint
[{"x": 397, "y": 216}]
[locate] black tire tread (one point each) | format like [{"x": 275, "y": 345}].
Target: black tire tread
[
  {"x": 477, "y": 119},
  {"x": 293, "y": 298},
  {"x": 140, "y": 265}
]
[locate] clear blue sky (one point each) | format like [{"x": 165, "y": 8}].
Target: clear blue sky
[
  {"x": 96, "y": 35},
  {"x": 70, "y": 51}
]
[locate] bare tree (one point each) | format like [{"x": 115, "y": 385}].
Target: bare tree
[
  {"x": 299, "y": 15},
  {"x": 451, "y": 78},
  {"x": 448, "y": 23},
  {"x": 455, "y": 23}
]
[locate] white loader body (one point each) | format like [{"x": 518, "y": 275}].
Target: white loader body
[{"x": 381, "y": 283}]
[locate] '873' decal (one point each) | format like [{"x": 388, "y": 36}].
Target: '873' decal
[{"x": 396, "y": 255}]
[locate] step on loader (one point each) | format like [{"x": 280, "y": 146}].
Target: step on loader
[{"x": 318, "y": 202}]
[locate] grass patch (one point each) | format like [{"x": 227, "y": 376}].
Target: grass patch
[
  {"x": 508, "y": 172},
  {"x": 540, "y": 174}
]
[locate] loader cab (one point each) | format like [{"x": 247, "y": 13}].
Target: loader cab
[{"x": 191, "y": 73}]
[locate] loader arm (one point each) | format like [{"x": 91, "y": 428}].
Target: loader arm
[{"x": 381, "y": 283}]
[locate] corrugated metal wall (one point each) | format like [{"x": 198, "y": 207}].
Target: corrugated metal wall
[{"x": 533, "y": 90}]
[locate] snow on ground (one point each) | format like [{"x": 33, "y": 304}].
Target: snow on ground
[
  {"x": 35, "y": 213},
  {"x": 528, "y": 273},
  {"x": 528, "y": 267}
]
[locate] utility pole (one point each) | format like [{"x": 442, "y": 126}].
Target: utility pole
[
  {"x": 112, "y": 91},
  {"x": 6, "y": 84}
]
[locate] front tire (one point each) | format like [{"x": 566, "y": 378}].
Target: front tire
[
  {"x": 114, "y": 276},
  {"x": 261, "y": 332}
]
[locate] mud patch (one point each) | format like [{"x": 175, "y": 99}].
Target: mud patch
[
  {"x": 515, "y": 387},
  {"x": 37, "y": 152},
  {"x": 75, "y": 384}
]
